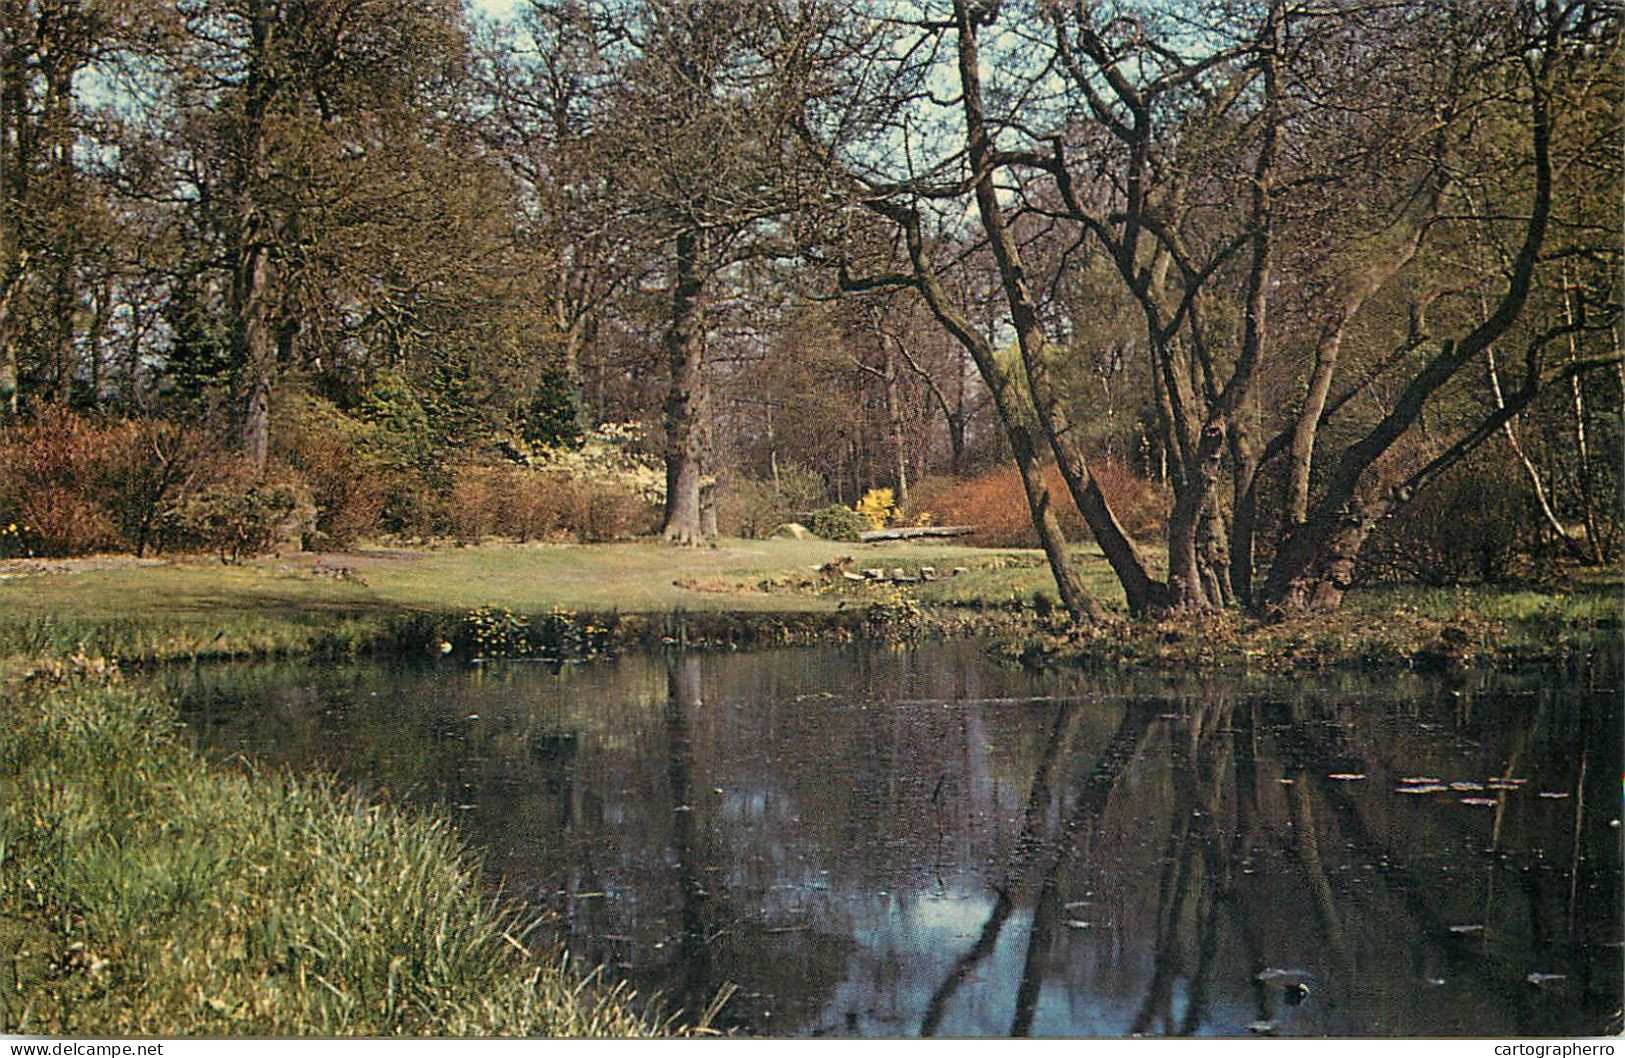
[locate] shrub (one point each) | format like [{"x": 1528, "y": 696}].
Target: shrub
[
  {"x": 243, "y": 514},
  {"x": 75, "y": 484},
  {"x": 63, "y": 522},
  {"x": 837, "y": 523},
  {"x": 610, "y": 456},
  {"x": 339, "y": 458},
  {"x": 472, "y": 507},
  {"x": 522, "y": 503},
  {"x": 753, "y": 508},
  {"x": 156, "y": 465},
  {"x": 878, "y": 506},
  {"x": 1475, "y": 524},
  {"x": 995, "y": 502}
]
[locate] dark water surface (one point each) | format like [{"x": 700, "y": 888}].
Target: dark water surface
[{"x": 883, "y": 842}]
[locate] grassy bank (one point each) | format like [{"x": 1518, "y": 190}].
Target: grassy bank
[
  {"x": 144, "y": 891},
  {"x": 1377, "y": 628},
  {"x": 741, "y": 592},
  {"x": 581, "y": 600}
]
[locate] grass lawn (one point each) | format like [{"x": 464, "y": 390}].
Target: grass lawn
[
  {"x": 134, "y": 609},
  {"x": 129, "y": 609}
]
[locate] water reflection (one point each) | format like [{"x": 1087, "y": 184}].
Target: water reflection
[{"x": 893, "y": 843}]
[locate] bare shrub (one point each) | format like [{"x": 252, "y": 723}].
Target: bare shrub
[
  {"x": 996, "y": 504},
  {"x": 521, "y": 503},
  {"x": 81, "y": 484},
  {"x": 1477, "y": 523}
]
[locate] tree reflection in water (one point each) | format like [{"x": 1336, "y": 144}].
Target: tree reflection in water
[{"x": 876, "y": 842}]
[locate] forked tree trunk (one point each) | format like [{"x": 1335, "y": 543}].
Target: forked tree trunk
[{"x": 1315, "y": 563}]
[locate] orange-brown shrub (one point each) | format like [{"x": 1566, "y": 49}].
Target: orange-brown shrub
[
  {"x": 524, "y": 504},
  {"x": 82, "y": 484},
  {"x": 62, "y": 522},
  {"x": 79, "y": 484},
  {"x": 996, "y": 504}
]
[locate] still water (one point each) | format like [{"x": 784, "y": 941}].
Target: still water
[{"x": 884, "y": 842}]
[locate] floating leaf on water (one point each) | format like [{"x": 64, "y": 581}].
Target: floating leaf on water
[
  {"x": 1542, "y": 979},
  {"x": 1429, "y": 788},
  {"x": 1462, "y": 787},
  {"x": 1347, "y": 776},
  {"x": 1420, "y": 779},
  {"x": 1555, "y": 795},
  {"x": 1078, "y": 923},
  {"x": 1262, "y": 1028},
  {"x": 1480, "y": 802},
  {"x": 1073, "y": 905},
  {"x": 1477, "y": 927},
  {"x": 1273, "y": 973},
  {"x": 1433, "y": 982}
]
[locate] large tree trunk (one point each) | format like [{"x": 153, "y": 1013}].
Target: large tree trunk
[
  {"x": 254, "y": 350},
  {"x": 65, "y": 218},
  {"x": 253, "y": 271},
  {"x": 1328, "y": 571},
  {"x": 685, "y": 356},
  {"x": 9, "y": 285}
]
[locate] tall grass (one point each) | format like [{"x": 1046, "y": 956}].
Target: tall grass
[
  {"x": 145, "y": 891},
  {"x": 146, "y": 637}
]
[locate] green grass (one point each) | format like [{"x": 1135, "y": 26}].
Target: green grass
[
  {"x": 283, "y": 606},
  {"x": 738, "y": 592},
  {"x": 146, "y": 892},
  {"x": 1392, "y": 627}
]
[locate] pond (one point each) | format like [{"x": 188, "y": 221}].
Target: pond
[{"x": 874, "y": 841}]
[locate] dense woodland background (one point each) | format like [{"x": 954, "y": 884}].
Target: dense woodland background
[{"x": 1264, "y": 296}]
